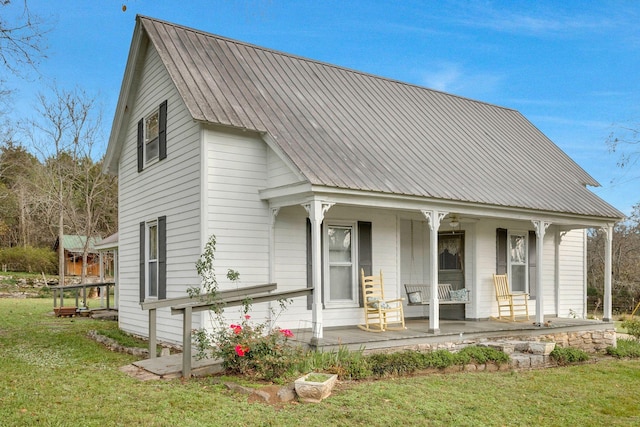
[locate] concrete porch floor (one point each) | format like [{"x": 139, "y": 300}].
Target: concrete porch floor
[
  {"x": 416, "y": 334},
  {"x": 460, "y": 331}
]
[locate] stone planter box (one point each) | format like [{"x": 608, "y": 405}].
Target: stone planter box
[{"x": 313, "y": 391}]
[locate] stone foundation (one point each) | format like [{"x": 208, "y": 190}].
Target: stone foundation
[{"x": 526, "y": 351}]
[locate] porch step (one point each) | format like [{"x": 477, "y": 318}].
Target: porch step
[
  {"x": 526, "y": 347},
  {"x": 524, "y": 354}
]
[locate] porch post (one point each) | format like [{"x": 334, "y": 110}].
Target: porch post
[
  {"x": 272, "y": 256},
  {"x": 541, "y": 229},
  {"x": 433, "y": 218},
  {"x": 272, "y": 244},
  {"x": 316, "y": 210},
  {"x": 607, "y": 309}
]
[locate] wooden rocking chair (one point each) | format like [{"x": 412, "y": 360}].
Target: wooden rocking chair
[
  {"x": 379, "y": 313},
  {"x": 514, "y": 302}
]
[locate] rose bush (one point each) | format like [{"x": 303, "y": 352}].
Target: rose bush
[{"x": 255, "y": 349}]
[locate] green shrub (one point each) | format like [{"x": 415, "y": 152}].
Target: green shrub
[
  {"x": 29, "y": 259},
  {"x": 410, "y": 361},
  {"x": 625, "y": 349},
  {"x": 348, "y": 365},
  {"x": 633, "y": 327},
  {"x": 248, "y": 349},
  {"x": 481, "y": 355},
  {"x": 568, "y": 355}
]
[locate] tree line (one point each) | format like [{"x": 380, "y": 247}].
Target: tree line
[
  {"x": 625, "y": 265},
  {"x": 51, "y": 180},
  {"x": 55, "y": 187}
]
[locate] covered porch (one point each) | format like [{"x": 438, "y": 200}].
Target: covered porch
[
  {"x": 405, "y": 237},
  {"x": 590, "y": 335}
]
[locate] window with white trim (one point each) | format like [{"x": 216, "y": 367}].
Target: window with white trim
[
  {"x": 340, "y": 274},
  {"x": 152, "y": 259},
  {"x": 151, "y": 137},
  {"x": 518, "y": 261}
]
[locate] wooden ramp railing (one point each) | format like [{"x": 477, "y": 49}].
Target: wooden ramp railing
[
  {"x": 58, "y": 293},
  {"x": 186, "y": 306}
]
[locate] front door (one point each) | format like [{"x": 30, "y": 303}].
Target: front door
[{"x": 451, "y": 269}]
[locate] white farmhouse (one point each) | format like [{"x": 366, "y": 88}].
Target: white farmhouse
[{"x": 308, "y": 172}]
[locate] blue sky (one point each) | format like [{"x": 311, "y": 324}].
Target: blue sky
[{"x": 571, "y": 67}]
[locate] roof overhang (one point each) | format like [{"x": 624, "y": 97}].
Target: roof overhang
[
  {"x": 127, "y": 93},
  {"x": 303, "y": 192}
]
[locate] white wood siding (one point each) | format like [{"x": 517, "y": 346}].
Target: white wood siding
[
  {"x": 548, "y": 271},
  {"x": 278, "y": 172},
  {"x": 240, "y": 220},
  {"x": 572, "y": 286},
  {"x": 170, "y": 187},
  {"x": 290, "y": 262},
  {"x": 484, "y": 297}
]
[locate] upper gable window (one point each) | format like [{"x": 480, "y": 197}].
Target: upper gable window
[
  {"x": 152, "y": 137},
  {"x": 151, "y": 150}
]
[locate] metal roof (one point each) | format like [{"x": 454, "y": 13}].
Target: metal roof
[
  {"x": 74, "y": 243},
  {"x": 347, "y": 129}
]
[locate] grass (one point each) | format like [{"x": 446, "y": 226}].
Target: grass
[
  {"x": 54, "y": 375},
  {"x": 619, "y": 328}
]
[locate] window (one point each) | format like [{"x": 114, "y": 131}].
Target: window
[
  {"x": 364, "y": 252},
  {"x": 450, "y": 251},
  {"x": 341, "y": 286},
  {"x": 152, "y": 137},
  {"x": 516, "y": 257},
  {"x": 518, "y": 277},
  {"x": 153, "y": 259}
]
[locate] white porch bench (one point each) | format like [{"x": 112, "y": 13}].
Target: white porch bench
[{"x": 420, "y": 294}]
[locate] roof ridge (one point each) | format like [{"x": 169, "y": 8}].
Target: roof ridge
[{"x": 323, "y": 63}]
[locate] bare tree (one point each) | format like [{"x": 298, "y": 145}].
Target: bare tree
[
  {"x": 625, "y": 262},
  {"x": 625, "y": 142},
  {"x": 64, "y": 134},
  {"x": 22, "y": 37}
]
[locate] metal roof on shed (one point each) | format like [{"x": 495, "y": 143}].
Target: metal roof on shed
[{"x": 347, "y": 129}]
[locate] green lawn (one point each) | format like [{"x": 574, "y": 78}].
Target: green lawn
[{"x": 51, "y": 374}]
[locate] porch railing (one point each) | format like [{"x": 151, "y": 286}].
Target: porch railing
[
  {"x": 186, "y": 306},
  {"x": 58, "y": 292}
]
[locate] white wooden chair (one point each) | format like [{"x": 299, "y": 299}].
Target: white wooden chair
[
  {"x": 380, "y": 314},
  {"x": 513, "y": 302}
]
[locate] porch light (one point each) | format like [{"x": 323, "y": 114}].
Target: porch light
[{"x": 454, "y": 222}]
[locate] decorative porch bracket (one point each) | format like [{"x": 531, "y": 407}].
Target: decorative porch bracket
[
  {"x": 541, "y": 228},
  {"x": 607, "y": 309},
  {"x": 434, "y": 218},
  {"x": 316, "y": 210}
]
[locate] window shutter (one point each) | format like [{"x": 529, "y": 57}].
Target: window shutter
[
  {"x": 532, "y": 263},
  {"x": 501, "y": 251},
  {"x": 162, "y": 131},
  {"x": 162, "y": 257},
  {"x": 142, "y": 285},
  {"x": 140, "y": 145},
  {"x": 365, "y": 255}
]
